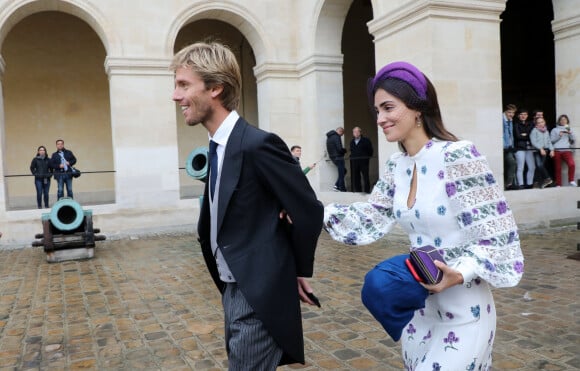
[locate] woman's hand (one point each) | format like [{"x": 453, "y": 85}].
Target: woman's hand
[{"x": 451, "y": 277}]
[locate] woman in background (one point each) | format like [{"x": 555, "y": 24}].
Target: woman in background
[
  {"x": 540, "y": 139},
  {"x": 42, "y": 172},
  {"x": 563, "y": 139}
]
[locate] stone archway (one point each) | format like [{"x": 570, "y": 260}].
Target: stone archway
[{"x": 55, "y": 87}]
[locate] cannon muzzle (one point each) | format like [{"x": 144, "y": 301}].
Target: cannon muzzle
[
  {"x": 66, "y": 214},
  {"x": 197, "y": 164}
]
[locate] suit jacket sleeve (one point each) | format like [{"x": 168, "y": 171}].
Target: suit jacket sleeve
[{"x": 278, "y": 171}]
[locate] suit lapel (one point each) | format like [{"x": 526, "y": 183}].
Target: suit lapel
[{"x": 231, "y": 169}]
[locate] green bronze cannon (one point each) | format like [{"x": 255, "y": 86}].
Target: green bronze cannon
[
  {"x": 197, "y": 166},
  {"x": 68, "y": 232}
]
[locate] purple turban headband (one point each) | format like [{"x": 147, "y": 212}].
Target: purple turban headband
[{"x": 406, "y": 72}]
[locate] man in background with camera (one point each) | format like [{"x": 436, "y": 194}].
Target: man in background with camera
[{"x": 62, "y": 162}]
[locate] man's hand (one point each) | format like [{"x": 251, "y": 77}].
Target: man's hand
[
  {"x": 283, "y": 215},
  {"x": 305, "y": 292}
]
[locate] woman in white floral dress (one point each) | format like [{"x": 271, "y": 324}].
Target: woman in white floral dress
[{"x": 441, "y": 191}]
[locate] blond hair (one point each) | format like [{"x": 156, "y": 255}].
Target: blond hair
[{"x": 216, "y": 65}]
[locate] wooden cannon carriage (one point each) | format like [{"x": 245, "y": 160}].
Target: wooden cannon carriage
[{"x": 68, "y": 232}]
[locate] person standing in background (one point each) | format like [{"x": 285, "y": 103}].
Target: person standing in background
[
  {"x": 61, "y": 162},
  {"x": 336, "y": 153},
  {"x": 257, "y": 258},
  {"x": 40, "y": 168},
  {"x": 563, "y": 139},
  {"x": 297, "y": 153},
  {"x": 540, "y": 139},
  {"x": 524, "y": 150},
  {"x": 509, "y": 158},
  {"x": 361, "y": 151}
]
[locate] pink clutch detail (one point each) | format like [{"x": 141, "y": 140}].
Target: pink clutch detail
[{"x": 423, "y": 260}]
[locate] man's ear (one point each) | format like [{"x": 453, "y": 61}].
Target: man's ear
[{"x": 216, "y": 90}]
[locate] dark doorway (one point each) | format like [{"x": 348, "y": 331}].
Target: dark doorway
[
  {"x": 358, "y": 66},
  {"x": 527, "y": 56}
]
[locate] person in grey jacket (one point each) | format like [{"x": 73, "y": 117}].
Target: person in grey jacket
[
  {"x": 563, "y": 140},
  {"x": 336, "y": 153},
  {"x": 540, "y": 139}
]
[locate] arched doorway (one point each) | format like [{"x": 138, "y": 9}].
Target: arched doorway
[
  {"x": 55, "y": 87},
  {"x": 359, "y": 64},
  {"x": 527, "y": 56}
]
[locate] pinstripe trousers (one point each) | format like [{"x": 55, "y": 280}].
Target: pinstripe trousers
[{"x": 248, "y": 343}]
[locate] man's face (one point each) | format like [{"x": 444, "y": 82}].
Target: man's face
[
  {"x": 297, "y": 152},
  {"x": 356, "y": 133},
  {"x": 340, "y": 131},
  {"x": 509, "y": 114},
  {"x": 59, "y": 145},
  {"x": 192, "y": 96},
  {"x": 538, "y": 115}
]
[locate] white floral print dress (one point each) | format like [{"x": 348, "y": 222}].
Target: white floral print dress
[{"x": 460, "y": 209}]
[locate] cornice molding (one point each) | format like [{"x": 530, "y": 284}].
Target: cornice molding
[
  {"x": 321, "y": 63},
  {"x": 416, "y": 11},
  {"x": 566, "y": 28},
  {"x": 315, "y": 63},
  {"x": 137, "y": 66},
  {"x": 276, "y": 70}
]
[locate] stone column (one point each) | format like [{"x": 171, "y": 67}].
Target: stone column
[
  {"x": 566, "y": 28},
  {"x": 301, "y": 103},
  {"x": 2, "y": 139},
  {"x": 457, "y": 45},
  {"x": 144, "y": 133}
]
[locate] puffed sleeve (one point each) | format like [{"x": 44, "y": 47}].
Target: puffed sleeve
[
  {"x": 490, "y": 248},
  {"x": 361, "y": 223}
]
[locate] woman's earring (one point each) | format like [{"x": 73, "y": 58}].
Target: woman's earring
[{"x": 418, "y": 122}]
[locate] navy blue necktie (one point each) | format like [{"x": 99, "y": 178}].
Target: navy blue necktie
[{"x": 213, "y": 166}]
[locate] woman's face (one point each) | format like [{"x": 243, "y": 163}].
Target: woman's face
[
  {"x": 563, "y": 121},
  {"x": 523, "y": 116},
  {"x": 394, "y": 117},
  {"x": 42, "y": 151}
]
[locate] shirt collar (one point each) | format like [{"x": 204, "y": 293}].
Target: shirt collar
[{"x": 222, "y": 134}]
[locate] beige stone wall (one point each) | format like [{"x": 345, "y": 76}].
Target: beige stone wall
[{"x": 120, "y": 117}]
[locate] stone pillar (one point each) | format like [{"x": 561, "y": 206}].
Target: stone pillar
[
  {"x": 457, "y": 45},
  {"x": 301, "y": 103},
  {"x": 566, "y": 28},
  {"x": 144, "y": 133},
  {"x": 3, "y": 189}
]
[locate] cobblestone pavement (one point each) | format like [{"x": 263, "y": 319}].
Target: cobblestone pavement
[{"x": 149, "y": 304}]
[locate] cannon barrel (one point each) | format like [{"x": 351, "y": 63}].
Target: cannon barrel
[
  {"x": 197, "y": 164},
  {"x": 66, "y": 214}
]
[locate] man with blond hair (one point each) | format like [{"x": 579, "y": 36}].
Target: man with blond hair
[{"x": 257, "y": 257}]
